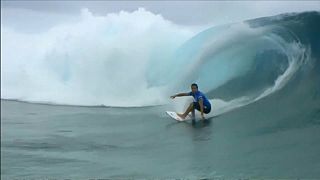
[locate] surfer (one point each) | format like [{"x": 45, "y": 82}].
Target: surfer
[{"x": 201, "y": 103}]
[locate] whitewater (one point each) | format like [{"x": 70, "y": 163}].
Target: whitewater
[{"x": 100, "y": 60}]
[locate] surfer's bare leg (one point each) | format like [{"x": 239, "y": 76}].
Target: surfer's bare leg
[{"x": 190, "y": 108}]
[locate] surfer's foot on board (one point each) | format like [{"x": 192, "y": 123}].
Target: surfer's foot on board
[{"x": 181, "y": 116}]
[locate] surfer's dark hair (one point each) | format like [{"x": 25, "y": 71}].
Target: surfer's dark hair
[{"x": 194, "y": 84}]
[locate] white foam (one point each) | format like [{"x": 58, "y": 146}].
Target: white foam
[{"x": 97, "y": 60}]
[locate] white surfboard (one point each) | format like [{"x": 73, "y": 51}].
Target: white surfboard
[
  {"x": 189, "y": 117},
  {"x": 175, "y": 116}
]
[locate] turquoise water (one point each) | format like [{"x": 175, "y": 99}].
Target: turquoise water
[{"x": 43, "y": 141}]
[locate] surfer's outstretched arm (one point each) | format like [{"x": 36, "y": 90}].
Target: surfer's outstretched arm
[{"x": 179, "y": 95}]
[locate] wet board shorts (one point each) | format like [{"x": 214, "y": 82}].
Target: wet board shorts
[{"x": 206, "y": 109}]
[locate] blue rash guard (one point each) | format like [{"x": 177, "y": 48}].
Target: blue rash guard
[{"x": 199, "y": 95}]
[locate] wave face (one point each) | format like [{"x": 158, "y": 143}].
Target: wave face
[
  {"x": 241, "y": 63},
  {"x": 118, "y": 61}
]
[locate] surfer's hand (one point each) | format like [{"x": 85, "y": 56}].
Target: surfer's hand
[
  {"x": 203, "y": 117},
  {"x": 172, "y": 97}
]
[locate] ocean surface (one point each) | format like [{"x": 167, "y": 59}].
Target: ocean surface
[
  {"x": 62, "y": 115},
  {"x": 256, "y": 141}
]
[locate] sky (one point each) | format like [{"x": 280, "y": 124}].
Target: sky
[{"x": 17, "y": 14}]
